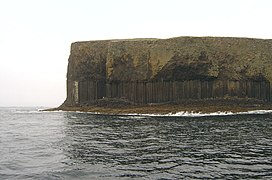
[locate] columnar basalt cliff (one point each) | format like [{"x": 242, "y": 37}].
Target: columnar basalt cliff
[{"x": 146, "y": 71}]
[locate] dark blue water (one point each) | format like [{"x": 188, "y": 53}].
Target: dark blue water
[{"x": 66, "y": 145}]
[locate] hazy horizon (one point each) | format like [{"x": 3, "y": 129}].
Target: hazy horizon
[{"x": 35, "y": 36}]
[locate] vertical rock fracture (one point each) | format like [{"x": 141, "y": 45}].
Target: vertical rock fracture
[{"x": 169, "y": 70}]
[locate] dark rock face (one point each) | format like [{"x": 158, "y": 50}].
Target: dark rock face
[
  {"x": 169, "y": 70},
  {"x": 176, "y": 70}
]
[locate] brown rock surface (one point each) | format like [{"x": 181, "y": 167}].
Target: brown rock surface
[
  {"x": 175, "y": 58},
  {"x": 165, "y": 60}
]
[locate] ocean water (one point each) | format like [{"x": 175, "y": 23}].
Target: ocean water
[{"x": 70, "y": 145}]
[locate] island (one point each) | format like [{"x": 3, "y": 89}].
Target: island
[{"x": 147, "y": 76}]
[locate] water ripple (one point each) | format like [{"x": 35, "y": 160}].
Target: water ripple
[{"x": 84, "y": 146}]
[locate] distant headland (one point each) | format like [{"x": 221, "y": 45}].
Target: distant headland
[{"x": 203, "y": 74}]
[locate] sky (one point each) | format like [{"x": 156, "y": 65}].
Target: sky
[{"x": 35, "y": 35}]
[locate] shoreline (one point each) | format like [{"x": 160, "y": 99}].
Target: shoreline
[{"x": 197, "y": 107}]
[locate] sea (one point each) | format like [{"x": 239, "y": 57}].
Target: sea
[{"x": 73, "y": 145}]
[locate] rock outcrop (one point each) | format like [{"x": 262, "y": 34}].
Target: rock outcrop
[{"x": 169, "y": 70}]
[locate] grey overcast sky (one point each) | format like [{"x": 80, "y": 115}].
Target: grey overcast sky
[{"x": 35, "y": 35}]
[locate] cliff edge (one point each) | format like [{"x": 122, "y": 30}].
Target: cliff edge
[{"x": 144, "y": 71}]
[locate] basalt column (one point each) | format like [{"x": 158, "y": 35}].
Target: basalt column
[{"x": 169, "y": 70}]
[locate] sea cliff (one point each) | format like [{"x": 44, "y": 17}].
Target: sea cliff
[{"x": 142, "y": 72}]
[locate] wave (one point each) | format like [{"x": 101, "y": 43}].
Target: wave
[
  {"x": 200, "y": 114},
  {"x": 178, "y": 114}
]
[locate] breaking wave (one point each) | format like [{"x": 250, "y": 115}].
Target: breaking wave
[
  {"x": 182, "y": 113},
  {"x": 200, "y": 114}
]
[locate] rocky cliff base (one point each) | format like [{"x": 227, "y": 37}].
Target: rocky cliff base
[{"x": 121, "y": 106}]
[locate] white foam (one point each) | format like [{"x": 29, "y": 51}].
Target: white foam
[
  {"x": 256, "y": 112},
  {"x": 199, "y": 114},
  {"x": 178, "y": 114}
]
